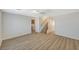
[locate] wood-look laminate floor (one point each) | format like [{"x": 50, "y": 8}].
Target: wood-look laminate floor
[{"x": 40, "y": 41}]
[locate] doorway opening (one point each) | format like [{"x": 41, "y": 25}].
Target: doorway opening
[{"x": 33, "y": 25}]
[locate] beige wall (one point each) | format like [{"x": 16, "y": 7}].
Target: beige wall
[{"x": 50, "y": 25}]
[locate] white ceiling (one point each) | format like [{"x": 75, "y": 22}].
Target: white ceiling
[{"x": 39, "y": 12}]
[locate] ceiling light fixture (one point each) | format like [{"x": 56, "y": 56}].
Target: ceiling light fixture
[{"x": 35, "y": 11}]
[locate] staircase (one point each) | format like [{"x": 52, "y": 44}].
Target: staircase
[{"x": 44, "y": 27}]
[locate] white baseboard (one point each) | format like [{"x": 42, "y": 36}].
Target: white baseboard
[
  {"x": 69, "y": 36},
  {"x": 10, "y": 37}
]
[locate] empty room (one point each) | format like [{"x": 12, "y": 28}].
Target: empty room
[{"x": 39, "y": 29}]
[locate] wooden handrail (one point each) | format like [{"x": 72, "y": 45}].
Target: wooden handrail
[{"x": 45, "y": 28}]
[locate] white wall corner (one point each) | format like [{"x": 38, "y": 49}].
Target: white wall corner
[{"x": 67, "y": 25}]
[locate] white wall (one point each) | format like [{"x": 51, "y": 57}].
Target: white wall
[
  {"x": 0, "y": 25},
  {"x": 0, "y": 28},
  {"x": 67, "y": 25},
  {"x": 37, "y": 24},
  {"x": 15, "y": 25}
]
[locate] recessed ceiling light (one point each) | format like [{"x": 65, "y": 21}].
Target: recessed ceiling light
[{"x": 35, "y": 11}]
